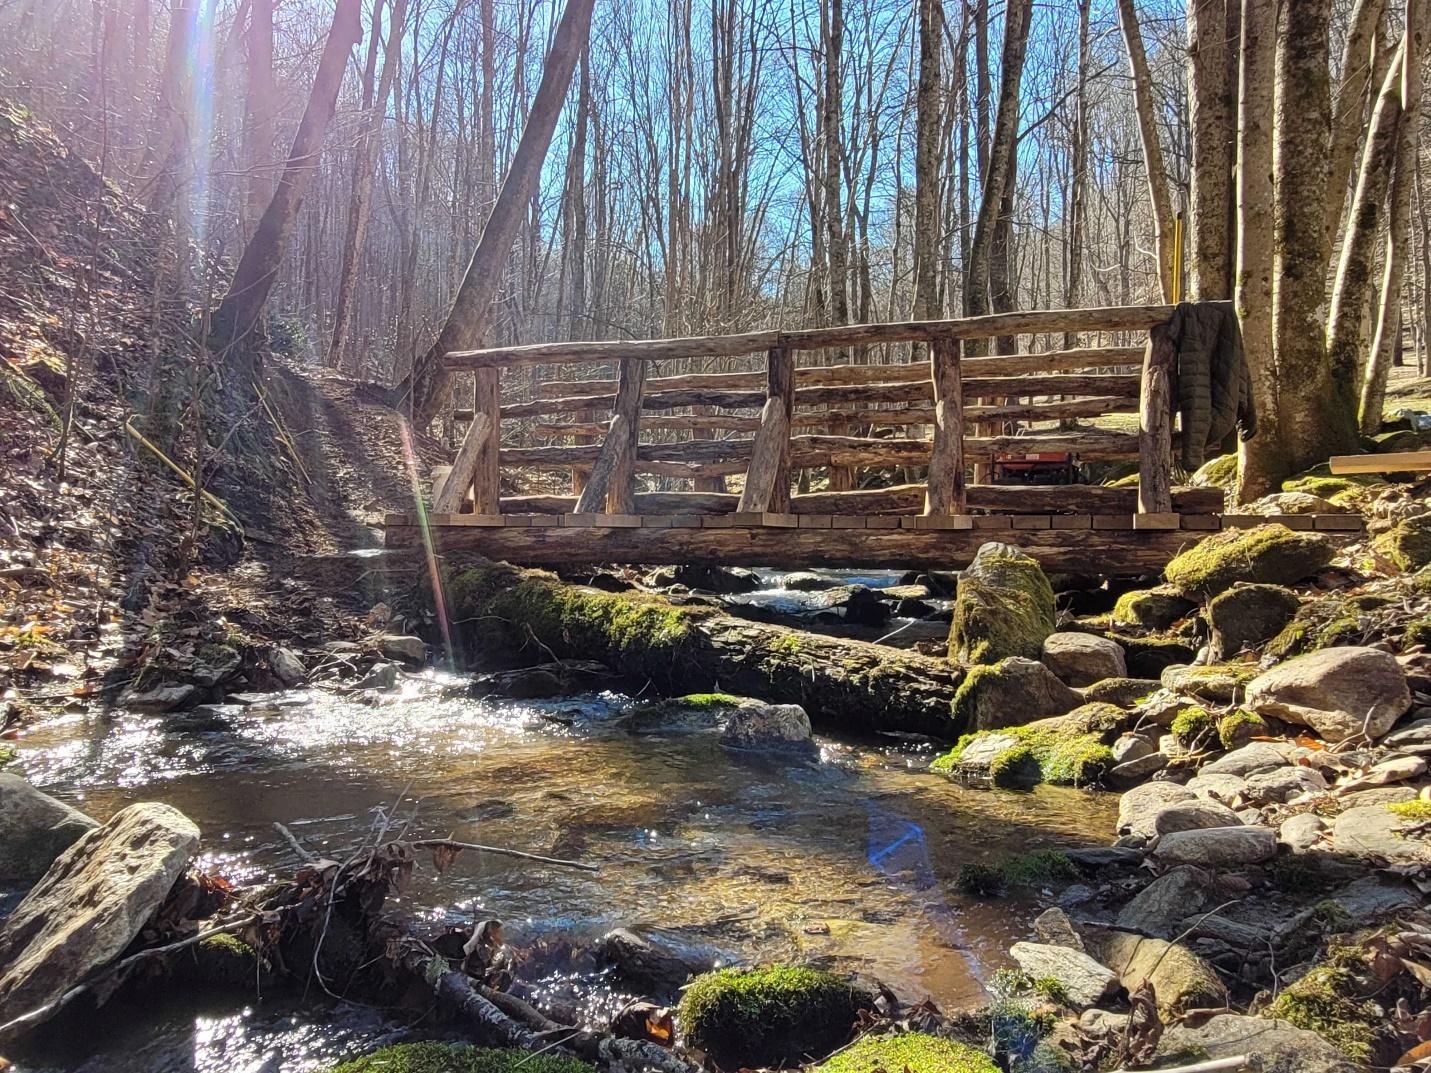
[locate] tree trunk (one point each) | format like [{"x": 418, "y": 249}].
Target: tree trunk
[
  {"x": 1262, "y": 462},
  {"x": 842, "y": 683},
  {"x": 369, "y": 136},
  {"x": 926, "y": 162},
  {"x": 1161, "y": 201},
  {"x": 1317, "y": 413},
  {"x": 260, "y": 116},
  {"x": 1351, "y": 292},
  {"x": 1355, "y": 87},
  {"x": 1398, "y": 222},
  {"x": 1212, "y": 116},
  {"x": 425, "y": 386},
  {"x": 237, "y": 315}
]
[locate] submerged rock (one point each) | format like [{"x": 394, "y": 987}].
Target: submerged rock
[
  {"x": 1085, "y": 982},
  {"x": 1004, "y": 607},
  {"x": 757, "y": 725},
  {"x": 726, "y": 580},
  {"x": 648, "y": 964},
  {"x": 1080, "y": 659},
  {"x": 1267, "y": 554},
  {"x": 91, "y": 904},
  {"x": 1338, "y": 692},
  {"x": 770, "y": 1016},
  {"x": 804, "y": 581},
  {"x": 1010, "y": 692},
  {"x": 34, "y": 829}
]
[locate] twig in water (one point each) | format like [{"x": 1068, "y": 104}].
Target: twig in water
[{"x": 432, "y": 843}]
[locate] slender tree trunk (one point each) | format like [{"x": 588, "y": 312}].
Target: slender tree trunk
[
  {"x": 425, "y": 385},
  {"x": 1077, "y": 209},
  {"x": 260, "y": 108},
  {"x": 926, "y": 161},
  {"x": 1398, "y": 222},
  {"x": 1158, "y": 195},
  {"x": 1212, "y": 107},
  {"x": 237, "y": 315},
  {"x": 1354, "y": 89},
  {"x": 369, "y": 137},
  {"x": 1263, "y": 461}
]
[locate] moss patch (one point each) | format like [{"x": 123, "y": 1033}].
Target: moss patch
[
  {"x": 1003, "y": 607},
  {"x": 1023, "y": 870},
  {"x": 1327, "y": 1001},
  {"x": 709, "y": 700},
  {"x": 1192, "y": 726},
  {"x": 1068, "y": 750},
  {"x": 770, "y": 1016},
  {"x": 1151, "y": 609},
  {"x": 915, "y": 1051},
  {"x": 1419, "y": 811},
  {"x": 1237, "y": 729},
  {"x": 1219, "y": 472},
  {"x": 1407, "y": 546},
  {"x": 1268, "y": 554},
  {"x": 458, "y": 1058}
]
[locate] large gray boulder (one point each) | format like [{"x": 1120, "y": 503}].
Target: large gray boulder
[
  {"x": 1080, "y": 659},
  {"x": 1245, "y": 616},
  {"x": 1012, "y": 692},
  {"x": 1338, "y": 692},
  {"x": 34, "y": 829},
  {"x": 1160, "y": 906},
  {"x": 1253, "y": 757},
  {"x": 1278, "y": 1046},
  {"x": 1217, "y": 847},
  {"x": 1141, "y": 801},
  {"x": 1375, "y": 831},
  {"x": 1004, "y": 607},
  {"x": 91, "y": 904},
  {"x": 1175, "y": 816},
  {"x": 1084, "y": 981}
]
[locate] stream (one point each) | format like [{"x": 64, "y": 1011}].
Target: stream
[{"x": 847, "y": 861}]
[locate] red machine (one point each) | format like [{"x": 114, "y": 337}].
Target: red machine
[{"x": 1045, "y": 467}]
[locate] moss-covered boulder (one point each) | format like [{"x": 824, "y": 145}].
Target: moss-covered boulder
[
  {"x": 1123, "y": 692},
  {"x": 1240, "y": 727},
  {"x": 914, "y": 1051},
  {"x": 1181, "y": 980},
  {"x": 458, "y": 1058},
  {"x": 1268, "y": 554},
  {"x": 1010, "y": 692},
  {"x": 1327, "y": 622},
  {"x": 769, "y": 1016},
  {"x": 1219, "y": 682},
  {"x": 1247, "y": 616},
  {"x": 1151, "y": 609},
  {"x": 1292, "y": 503},
  {"x": 1069, "y": 750},
  {"x": 1400, "y": 440},
  {"x": 1407, "y": 546},
  {"x": 222, "y": 961},
  {"x": 1004, "y": 607},
  {"x": 1334, "y": 1000}
]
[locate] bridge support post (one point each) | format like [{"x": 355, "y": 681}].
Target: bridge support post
[
  {"x": 476, "y": 464},
  {"x": 767, "y": 481},
  {"x": 946, "y": 493},
  {"x": 611, "y": 487},
  {"x": 1155, "y": 425}
]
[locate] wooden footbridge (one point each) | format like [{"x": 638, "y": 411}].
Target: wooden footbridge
[{"x": 768, "y": 425}]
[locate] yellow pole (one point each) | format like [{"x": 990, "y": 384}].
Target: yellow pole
[{"x": 1178, "y": 258}]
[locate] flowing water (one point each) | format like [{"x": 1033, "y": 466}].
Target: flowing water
[{"x": 847, "y": 861}]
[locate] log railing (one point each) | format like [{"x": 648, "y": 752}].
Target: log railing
[{"x": 948, "y": 393}]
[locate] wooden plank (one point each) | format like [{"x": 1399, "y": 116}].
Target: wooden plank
[
  {"x": 778, "y": 520},
  {"x": 1294, "y": 521},
  {"x": 847, "y": 521},
  {"x": 882, "y": 521},
  {"x": 656, "y": 521},
  {"x": 1200, "y": 521},
  {"x": 617, "y": 521},
  {"x": 1243, "y": 521},
  {"x": 1338, "y": 522},
  {"x": 1113, "y": 521},
  {"x": 449, "y": 498},
  {"x": 1071, "y": 521},
  {"x": 943, "y": 521},
  {"x": 945, "y": 493},
  {"x": 814, "y": 521},
  {"x": 1157, "y": 520},
  {"x": 1391, "y": 462},
  {"x": 1032, "y": 521},
  {"x": 994, "y": 521},
  {"x": 1155, "y": 425}
]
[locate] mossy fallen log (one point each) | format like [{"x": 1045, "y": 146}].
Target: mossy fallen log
[{"x": 502, "y": 610}]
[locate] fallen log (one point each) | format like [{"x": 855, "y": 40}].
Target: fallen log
[{"x": 683, "y": 649}]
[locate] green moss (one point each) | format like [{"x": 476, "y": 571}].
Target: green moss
[
  {"x": 1220, "y": 472},
  {"x": 708, "y": 700},
  {"x": 1003, "y": 607},
  {"x": 1418, "y": 631},
  {"x": 1128, "y": 481},
  {"x": 1193, "y": 725},
  {"x": 1327, "y": 1001},
  {"x": 1151, "y": 609},
  {"x": 1022, "y": 870},
  {"x": 1068, "y": 750},
  {"x": 216, "y": 653},
  {"x": 458, "y": 1058},
  {"x": 1269, "y": 554},
  {"x": 1321, "y": 487},
  {"x": 8, "y": 753},
  {"x": 1418, "y": 810},
  {"x": 1237, "y": 729},
  {"x": 914, "y": 1051},
  {"x": 770, "y": 1016},
  {"x": 1406, "y": 546},
  {"x": 1325, "y": 623}
]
